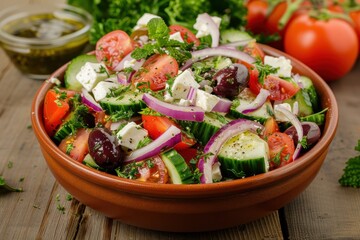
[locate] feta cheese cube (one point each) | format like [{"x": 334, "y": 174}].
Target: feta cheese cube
[
  {"x": 91, "y": 74},
  {"x": 131, "y": 135},
  {"x": 102, "y": 89},
  {"x": 282, "y": 63},
  {"x": 205, "y": 100},
  {"x": 182, "y": 83},
  {"x": 203, "y": 27},
  {"x": 176, "y": 36},
  {"x": 144, "y": 19},
  {"x": 279, "y": 116}
]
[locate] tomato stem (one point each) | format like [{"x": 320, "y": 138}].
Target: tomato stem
[
  {"x": 292, "y": 6},
  {"x": 326, "y": 15}
]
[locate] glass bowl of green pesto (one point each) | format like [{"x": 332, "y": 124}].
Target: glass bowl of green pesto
[{"x": 41, "y": 37}]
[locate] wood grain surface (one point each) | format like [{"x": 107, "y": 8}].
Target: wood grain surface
[{"x": 42, "y": 211}]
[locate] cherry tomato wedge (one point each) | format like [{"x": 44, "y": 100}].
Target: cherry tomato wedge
[
  {"x": 281, "y": 147},
  {"x": 157, "y": 125},
  {"x": 153, "y": 170},
  {"x": 56, "y": 108},
  {"x": 155, "y": 71},
  {"x": 270, "y": 127},
  {"x": 76, "y": 146},
  {"x": 279, "y": 89},
  {"x": 185, "y": 33},
  {"x": 113, "y": 47}
]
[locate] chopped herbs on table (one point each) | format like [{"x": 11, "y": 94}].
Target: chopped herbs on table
[
  {"x": 351, "y": 175},
  {"x": 4, "y": 188}
]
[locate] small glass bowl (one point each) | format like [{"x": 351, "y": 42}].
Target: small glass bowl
[{"x": 41, "y": 37}]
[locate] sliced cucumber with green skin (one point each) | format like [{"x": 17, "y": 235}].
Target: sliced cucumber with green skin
[
  {"x": 178, "y": 170},
  {"x": 304, "y": 103},
  {"x": 309, "y": 87},
  {"x": 244, "y": 155},
  {"x": 74, "y": 68},
  {"x": 128, "y": 101},
  {"x": 234, "y": 35},
  {"x": 89, "y": 161},
  {"x": 78, "y": 118},
  {"x": 259, "y": 115},
  {"x": 203, "y": 131}
]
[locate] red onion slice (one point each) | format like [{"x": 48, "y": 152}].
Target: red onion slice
[
  {"x": 217, "y": 51},
  {"x": 191, "y": 96},
  {"x": 123, "y": 79},
  {"x": 223, "y": 106},
  {"x": 212, "y": 28},
  {"x": 128, "y": 58},
  {"x": 297, "y": 124},
  {"x": 256, "y": 104},
  {"x": 212, "y": 148},
  {"x": 167, "y": 140},
  {"x": 188, "y": 113},
  {"x": 89, "y": 101}
]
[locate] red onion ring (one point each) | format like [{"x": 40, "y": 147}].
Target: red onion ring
[
  {"x": 218, "y": 139},
  {"x": 89, "y": 101},
  {"x": 223, "y": 106},
  {"x": 213, "y": 28},
  {"x": 191, "y": 113},
  {"x": 167, "y": 140},
  {"x": 256, "y": 104},
  {"x": 217, "y": 51},
  {"x": 297, "y": 124}
]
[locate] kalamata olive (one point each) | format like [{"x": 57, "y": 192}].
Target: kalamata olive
[
  {"x": 104, "y": 149},
  {"x": 311, "y": 131},
  {"x": 230, "y": 81}
]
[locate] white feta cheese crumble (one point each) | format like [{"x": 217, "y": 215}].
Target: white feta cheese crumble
[
  {"x": 203, "y": 28},
  {"x": 205, "y": 100},
  {"x": 91, "y": 74},
  {"x": 131, "y": 135},
  {"x": 184, "y": 102},
  {"x": 279, "y": 116},
  {"x": 102, "y": 89},
  {"x": 182, "y": 83},
  {"x": 176, "y": 36},
  {"x": 282, "y": 63},
  {"x": 144, "y": 19},
  {"x": 216, "y": 172}
]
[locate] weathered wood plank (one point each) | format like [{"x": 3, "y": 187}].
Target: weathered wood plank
[{"x": 326, "y": 210}]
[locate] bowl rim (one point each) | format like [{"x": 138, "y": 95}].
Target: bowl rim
[
  {"x": 10, "y": 39},
  {"x": 193, "y": 190}
]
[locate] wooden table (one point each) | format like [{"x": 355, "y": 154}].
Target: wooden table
[{"x": 323, "y": 211}]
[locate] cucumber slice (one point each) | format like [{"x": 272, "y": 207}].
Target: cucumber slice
[
  {"x": 203, "y": 131},
  {"x": 311, "y": 91},
  {"x": 178, "y": 170},
  {"x": 74, "y": 68},
  {"x": 243, "y": 155},
  {"x": 304, "y": 103},
  {"x": 89, "y": 161},
  {"x": 127, "y": 101},
  {"x": 259, "y": 115},
  {"x": 78, "y": 118},
  {"x": 233, "y": 35}
]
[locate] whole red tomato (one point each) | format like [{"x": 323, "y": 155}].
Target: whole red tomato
[
  {"x": 256, "y": 16},
  {"x": 329, "y": 47}
]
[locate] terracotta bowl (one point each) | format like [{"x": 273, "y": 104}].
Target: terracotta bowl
[{"x": 189, "y": 208}]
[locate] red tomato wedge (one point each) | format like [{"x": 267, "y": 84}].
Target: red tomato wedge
[
  {"x": 279, "y": 89},
  {"x": 56, "y": 108},
  {"x": 185, "y": 33},
  {"x": 157, "y": 125},
  {"x": 281, "y": 147},
  {"x": 271, "y": 127},
  {"x": 156, "y": 172},
  {"x": 76, "y": 146},
  {"x": 113, "y": 47},
  {"x": 156, "y": 71}
]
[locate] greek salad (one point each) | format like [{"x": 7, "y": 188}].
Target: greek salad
[{"x": 171, "y": 105}]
